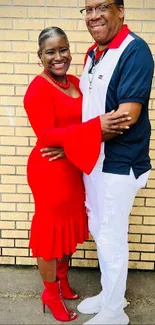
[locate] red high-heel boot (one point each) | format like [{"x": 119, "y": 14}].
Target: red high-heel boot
[
  {"x": 52, "y": 297},
  {"x": 61, "y": 272}
]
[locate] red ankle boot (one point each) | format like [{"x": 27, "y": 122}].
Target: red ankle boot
[
  {"x": 52, "y": 297},
  {"x": 61, "y": 272}
]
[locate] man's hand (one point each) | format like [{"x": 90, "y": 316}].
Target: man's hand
[
  {"x": 111, "y": 122},
  {"x": 56, "y": 153},
  {"x": 111, "y": 125}
]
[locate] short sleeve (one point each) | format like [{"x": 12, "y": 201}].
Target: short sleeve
[{"x": 136, "y": 67}]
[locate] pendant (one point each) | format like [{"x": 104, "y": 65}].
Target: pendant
[
  {"x": 90, "y": 86},
  {"x": 91, "y": 77}
]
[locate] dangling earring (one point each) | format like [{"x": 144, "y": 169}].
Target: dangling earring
[{"x": 40, "y": 63}]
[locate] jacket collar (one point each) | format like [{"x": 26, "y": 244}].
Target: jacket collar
[{"x": 115, "y": 43}]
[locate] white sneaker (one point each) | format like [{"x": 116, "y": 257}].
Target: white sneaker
[
  {"x": 103, "y": 318},
  {"x": 92, "y": 305}
]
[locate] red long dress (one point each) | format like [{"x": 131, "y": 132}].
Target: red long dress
[{"x": 60, "y": 220}]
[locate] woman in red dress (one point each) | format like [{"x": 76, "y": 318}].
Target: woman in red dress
[{"x": 53, "y": 104}]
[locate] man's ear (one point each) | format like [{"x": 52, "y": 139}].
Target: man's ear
[{"x": 121, "y": 12}]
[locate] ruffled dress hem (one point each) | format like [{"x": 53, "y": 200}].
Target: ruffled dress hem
[{"x": 62, "y": 237}]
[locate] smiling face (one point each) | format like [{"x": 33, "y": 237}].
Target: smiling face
[
  {"x": 55, "y": 56},
  {"x": 103, "y": 26}
]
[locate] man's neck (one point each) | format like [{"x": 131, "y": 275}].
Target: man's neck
[
  {"x": 105, "y": 45},
  {"x": 102, "y": 47}
]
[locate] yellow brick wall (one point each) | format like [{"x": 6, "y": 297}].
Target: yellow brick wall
[{"x": 20, "y": 23}]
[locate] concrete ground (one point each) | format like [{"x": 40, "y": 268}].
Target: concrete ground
[{"x": 20, "y": 290}]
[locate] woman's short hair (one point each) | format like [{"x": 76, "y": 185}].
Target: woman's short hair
[{"x": 50, "y": 32}]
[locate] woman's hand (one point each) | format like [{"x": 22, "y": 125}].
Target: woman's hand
[
  {"x": 56, "y": 153},
  {"x": 111, "y": 122}
]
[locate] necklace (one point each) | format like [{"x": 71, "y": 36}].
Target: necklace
[
  {"x": 60, "y": 84},
  {"x": 92, "y": 68},
  {"x": 91, "y": 77}
]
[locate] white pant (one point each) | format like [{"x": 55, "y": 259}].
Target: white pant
[{"x": 109, "y": 200}]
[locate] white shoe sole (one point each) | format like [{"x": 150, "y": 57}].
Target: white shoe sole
[
  {"x": 123, "y": 320},
  {"x": 95, "y": 309}
]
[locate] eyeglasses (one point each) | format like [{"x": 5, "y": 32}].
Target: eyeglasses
[{"x": 99, "y": 9}]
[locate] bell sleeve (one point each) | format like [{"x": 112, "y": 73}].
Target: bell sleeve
[{"x": 82, "y": 144}]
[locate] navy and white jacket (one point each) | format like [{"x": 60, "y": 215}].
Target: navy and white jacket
[{"x": 123, "y": 75}]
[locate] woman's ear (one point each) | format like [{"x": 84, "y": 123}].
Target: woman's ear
[
  {"x": 40, "y": 63},
  {"x": 39, "y": 53}
]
